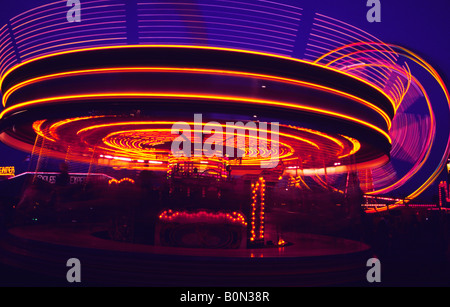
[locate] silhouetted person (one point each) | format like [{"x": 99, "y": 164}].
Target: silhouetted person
[
  {"x": 63, "y": 177},
  {"x": 60, "y": 191},
  {"x": 229, "y": 171}
]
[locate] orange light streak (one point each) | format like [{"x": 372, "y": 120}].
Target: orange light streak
[
  {"x": 190, "y": 47},
  {"x": 197, "y": 71},
  {"x": 288, "y": 105}
]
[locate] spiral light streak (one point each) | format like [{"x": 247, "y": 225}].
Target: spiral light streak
[{"x": 139, "y": 143}]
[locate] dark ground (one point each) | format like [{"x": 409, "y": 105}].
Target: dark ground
[{"x": 416, "y": 269}]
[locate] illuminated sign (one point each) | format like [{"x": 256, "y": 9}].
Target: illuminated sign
[
  {"x": 7, "y": 171},
  {"x": 52, "y": 178}
]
